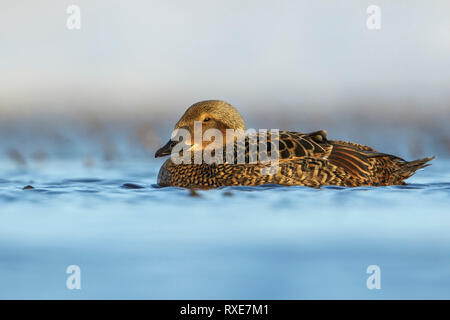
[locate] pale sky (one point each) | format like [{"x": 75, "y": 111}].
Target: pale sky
[{"x": 156, "y": 55}]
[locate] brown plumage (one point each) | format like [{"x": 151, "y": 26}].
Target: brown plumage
[{"x": 304, "y": 159}]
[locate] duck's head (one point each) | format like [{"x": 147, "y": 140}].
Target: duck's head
[{"x": 213, "y": 114}]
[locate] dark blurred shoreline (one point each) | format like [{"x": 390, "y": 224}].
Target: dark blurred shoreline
[{"x": 93, "y": 136}]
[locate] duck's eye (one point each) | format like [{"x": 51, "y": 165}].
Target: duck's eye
[{"x": 206, "y": 119}]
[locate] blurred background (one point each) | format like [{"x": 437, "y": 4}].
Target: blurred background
[{"x": 115, "y": 88}]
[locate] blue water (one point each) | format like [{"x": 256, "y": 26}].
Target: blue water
[{"x": 265, "y": 242}]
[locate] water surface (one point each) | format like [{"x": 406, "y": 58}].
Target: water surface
[{"x": 134, "y": 240}]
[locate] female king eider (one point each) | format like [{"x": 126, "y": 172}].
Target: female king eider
[{"x": 306, "y": 159}]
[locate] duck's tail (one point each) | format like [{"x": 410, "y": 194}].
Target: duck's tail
[{"x": 408, "y": 168}]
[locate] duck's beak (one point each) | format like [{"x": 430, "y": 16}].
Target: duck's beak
[{"x": 166, "y": 149}]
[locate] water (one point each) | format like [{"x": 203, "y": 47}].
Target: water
[{"x": 266, "y": 242}]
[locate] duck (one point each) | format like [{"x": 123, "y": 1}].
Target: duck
[{"x": 304, "y": 159}]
